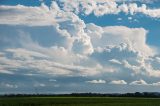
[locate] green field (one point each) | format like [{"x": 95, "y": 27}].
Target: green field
[{"x": 78, "y": 101}]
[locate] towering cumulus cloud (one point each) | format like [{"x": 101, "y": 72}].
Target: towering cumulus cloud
[{"x": 55, "y": 42}]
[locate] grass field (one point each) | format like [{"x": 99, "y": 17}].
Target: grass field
[{"x": 78, "y": 101}]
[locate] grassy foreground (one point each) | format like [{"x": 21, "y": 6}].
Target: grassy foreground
[{"x": 78, "y": 101}]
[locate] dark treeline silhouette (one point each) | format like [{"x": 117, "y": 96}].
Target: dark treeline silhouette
[{"x": 136, "y": 94}]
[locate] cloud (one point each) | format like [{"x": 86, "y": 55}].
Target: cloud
[
  {"x": 71, "y": 45},
  {"x": 39, "y": 85},
  {"x": 156, "y": 84},
  {"x": 5, "y": 71},
  {"x": 118, "y": 82},
  {"x": 141, "y": 1},
  {"x": 134, "y": 37},
  {"x": 8, "y": 85},
  {"x": 69, "y": 39},
  {"x": 34, "y": 60},
  {"x": 130, "y": 18},
  {"x": 83, "y": 46},
  {"x": 112, "y": 56},
  {"x": 114, "y": 61},
  {"x": 23, "y": 54},
  {"x": 51, "y": 16},
  {"x": 97, "y": 81},
  {"x": 119, "y": 19},
  {"x": 52, "y": 80},
  {"x": 11, "y": 86},
  {"x": 128, "y": 55},
  {"x": 77, "y": 49},
  {"x": 139, "y": 82},
  {"x": 104, "y": 7},
  {"x": 142, "y": 82},
  {"x": 116, "y": 54},
  {"x": 22, "y": 15},
  {"x": 48, "y": 16},
  {"x": 77, "y": 37}
]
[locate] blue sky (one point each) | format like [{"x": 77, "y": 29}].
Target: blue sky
[{"x": 79, "y": 46}]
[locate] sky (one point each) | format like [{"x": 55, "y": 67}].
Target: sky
[{"x": 75, "y": 46}]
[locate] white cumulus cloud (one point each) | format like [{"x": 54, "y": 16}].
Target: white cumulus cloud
[
  {"x": 139, "y": 82},
  {"x": 97, "y": 81},
  {"x": 118, "y": 82}
]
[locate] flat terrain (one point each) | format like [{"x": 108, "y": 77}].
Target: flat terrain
[{"x": 78, "y": 101}]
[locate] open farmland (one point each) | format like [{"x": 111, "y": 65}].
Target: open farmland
[{"x": 78, "y": 101}]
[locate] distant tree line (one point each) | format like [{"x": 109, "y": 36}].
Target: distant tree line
[{"x": 136, "y": 94}]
